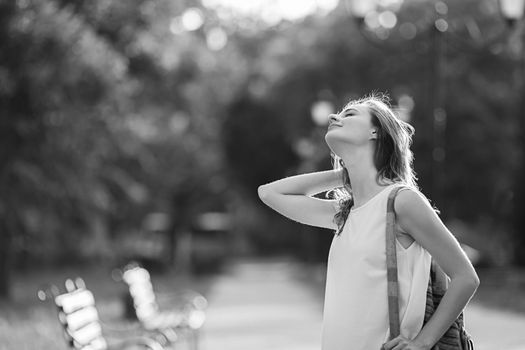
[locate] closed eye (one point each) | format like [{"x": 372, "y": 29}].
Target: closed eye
[{"x": 350, "y": 112}]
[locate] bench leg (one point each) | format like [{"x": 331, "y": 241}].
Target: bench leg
[{"x": 194, "y": 345}]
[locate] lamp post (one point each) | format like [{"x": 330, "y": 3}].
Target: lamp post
[{"x": 513, "y": 11}]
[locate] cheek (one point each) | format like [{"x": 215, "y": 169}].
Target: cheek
[
  {"x": 355, "y": 130},
  {"x": 350, "y": 132}
]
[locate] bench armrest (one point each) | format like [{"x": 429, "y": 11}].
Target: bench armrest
[
  {"x": 127, "y": 328},
  {"x": 132, "y": 343},
  {"x": 183, "y": 299}
]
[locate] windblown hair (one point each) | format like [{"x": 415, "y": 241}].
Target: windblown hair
[{"x": 392, "y": 155}]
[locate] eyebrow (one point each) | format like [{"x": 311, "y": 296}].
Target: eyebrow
[{"x": 350, "y": 109}]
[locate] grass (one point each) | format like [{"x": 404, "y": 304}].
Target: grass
[{"x": 26, "y": 323}]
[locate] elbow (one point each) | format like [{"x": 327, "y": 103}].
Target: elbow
[
  {"x": 475, "y": 281},
  {"x": 474, "y": 284},
  {"x": 472, "y": 281},
  {"x": 262, "y": 192}
]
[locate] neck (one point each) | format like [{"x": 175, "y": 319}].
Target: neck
[{"x": 363, "y": 174}]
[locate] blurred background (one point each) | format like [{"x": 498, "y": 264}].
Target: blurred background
[{"x": 140, "y": 130}]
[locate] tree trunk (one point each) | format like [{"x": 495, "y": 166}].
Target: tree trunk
[
  {"x": 519, "y": 184},
  {"x": 5, "y": 258},
  {"x": 98, "y": 244}
]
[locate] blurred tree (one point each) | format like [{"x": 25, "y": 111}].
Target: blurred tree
[
  {"x": 99, "y": 128},
  {"x": 57, "y": 124},
  {"x": 112, "y": 110},
  {"x": 256, "y": 144}
]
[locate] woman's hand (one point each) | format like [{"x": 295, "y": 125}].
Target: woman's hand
[{"x": 402, "y": 343}]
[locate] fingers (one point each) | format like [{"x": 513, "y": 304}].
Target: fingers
[
  {"x": 400, "y": 346},
  {"x": 398, "y": 343}
]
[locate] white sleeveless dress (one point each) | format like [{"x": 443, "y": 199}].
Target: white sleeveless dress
[{"x": 355, "y": 313}]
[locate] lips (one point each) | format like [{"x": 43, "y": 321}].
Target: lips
[{"x": 333, "y": 125}]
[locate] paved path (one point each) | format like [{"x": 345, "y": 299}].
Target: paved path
[
  {"x": 260, "y": 306},
  {"x": 495, "y": 330},
  {"x": 266, "y": 305}
]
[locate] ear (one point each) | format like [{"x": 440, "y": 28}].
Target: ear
[{"x": 373, "y": 134}]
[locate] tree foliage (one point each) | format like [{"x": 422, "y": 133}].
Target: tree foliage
[{"x": 109, "y": 111}]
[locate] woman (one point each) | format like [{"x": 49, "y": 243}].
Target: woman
[{"x": 371, "y": 151}]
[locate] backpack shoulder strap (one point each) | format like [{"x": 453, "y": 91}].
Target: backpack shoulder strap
[{"x": 391, "y": 265}]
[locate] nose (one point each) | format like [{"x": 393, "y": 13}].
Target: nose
[{"x": 332, "y": 118}]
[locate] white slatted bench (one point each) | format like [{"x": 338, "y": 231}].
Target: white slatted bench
[
  {"x": 81, "y": 324},
  {"x": 185, "y": 316}
]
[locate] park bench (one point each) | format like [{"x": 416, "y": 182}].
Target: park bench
[
  {"x": 185, "y": 316},
  {"x": 83, "y": 329}
]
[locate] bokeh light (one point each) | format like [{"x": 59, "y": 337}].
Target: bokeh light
[
  {"x": 216, "y": 39},
  {"x": 176, "y": 25},
  {"x": 272, "y": 12},
  {"x": 512, "y": 9},
  {"x": 192, "y": 19},
  {"x": 441, "y": 25},
  {"x": 372, "y": 20},
  {"x": 407, "y": 102},
  {"x": 441, "y": 8},
  {"x": 360, "y": 9},
  {"x": 393, "y": 5},
  {"x": 408, "y": 30},
  {"x": 387, "y": 19},
  {"x": 320, "y": 111}
]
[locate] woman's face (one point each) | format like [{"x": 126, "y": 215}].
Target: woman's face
[{"x": 352, "y": 126}]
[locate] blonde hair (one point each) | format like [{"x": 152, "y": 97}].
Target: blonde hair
[{"x": 393, "y": 157}]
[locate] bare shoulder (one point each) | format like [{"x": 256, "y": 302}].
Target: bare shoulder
[
  {"x": 409, "y": 199},
  {"x": 414, "y": 211},
  {"x": 416, "y": 216}
]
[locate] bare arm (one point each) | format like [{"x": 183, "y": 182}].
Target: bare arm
[
  {"x": 416, "y": 217},
  {"x": 291, "y": 197}
]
